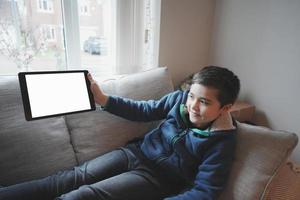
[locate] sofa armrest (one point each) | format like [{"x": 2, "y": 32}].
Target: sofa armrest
[{"x": 285, "y": 184}]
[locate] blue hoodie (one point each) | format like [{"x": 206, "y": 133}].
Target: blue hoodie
[{"x": 186, "y": 155}]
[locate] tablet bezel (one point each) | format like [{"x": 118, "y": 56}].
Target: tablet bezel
[{"x": 25, "y": 96}]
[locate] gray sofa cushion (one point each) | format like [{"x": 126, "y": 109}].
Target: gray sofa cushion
[
  {"x": 29, "y": 150},
  {"x": 259, "y": 154},
  {"x": 97, "y": 132}
]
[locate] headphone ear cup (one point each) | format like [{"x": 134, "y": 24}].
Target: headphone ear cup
[{"x": 185, "y": 109}]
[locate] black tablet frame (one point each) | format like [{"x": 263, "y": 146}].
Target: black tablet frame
[{"x": 25, "y": 96}]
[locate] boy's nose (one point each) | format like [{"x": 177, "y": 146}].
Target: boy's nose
[{"x": 195, "y": 105}]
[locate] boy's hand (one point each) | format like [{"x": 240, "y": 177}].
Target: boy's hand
[{"x": 99, "y": 97}]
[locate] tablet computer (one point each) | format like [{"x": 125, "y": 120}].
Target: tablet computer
[{"x": 55, "y": 93}]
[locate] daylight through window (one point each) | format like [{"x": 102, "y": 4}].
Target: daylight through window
[{"x": 104, "y": 36}]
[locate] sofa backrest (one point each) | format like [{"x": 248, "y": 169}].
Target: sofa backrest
[
  {"x": 95, "y": 133},
  {"x": 29, "y": 150},
  {"x": 35, "y": 149}
]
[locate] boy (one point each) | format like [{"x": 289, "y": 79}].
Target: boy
[{"x": 188, "y": 156}]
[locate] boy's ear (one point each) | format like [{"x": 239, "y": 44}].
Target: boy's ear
[{"x": 226, "y": 107}]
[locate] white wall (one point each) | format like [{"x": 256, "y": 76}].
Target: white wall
[
  {"x": 260, "y": 41},
  {"x": 185, "y": 36}
]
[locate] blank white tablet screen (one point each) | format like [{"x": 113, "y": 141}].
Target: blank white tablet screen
[{"x": 51, "y": 94}]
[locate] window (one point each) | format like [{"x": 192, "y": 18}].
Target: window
[
  {"x": 48, "y": 32},
  {"x": 29, "y": 41},
  {"x": 96, "y": 36},
  {"x": 84, "y": 7},
  {"x": 45, "y": 6},
  {"x": 104, "y": 36}
]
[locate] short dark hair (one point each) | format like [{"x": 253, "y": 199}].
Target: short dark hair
[{"x": 222, "y": 79}]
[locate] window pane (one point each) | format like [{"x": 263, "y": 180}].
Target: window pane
[
  {"x": 30, "y": 39},
  {"x": 97, "y": 32}
]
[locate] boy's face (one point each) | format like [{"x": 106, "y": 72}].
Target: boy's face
[{"x": 203, "y": 105}]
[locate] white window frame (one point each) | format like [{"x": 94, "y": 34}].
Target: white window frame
[
  {"x": 129, "y": 42},
  {"x": 131, "y": 35},
  {"x": 71, "y": 33},
  {"x": 40, "y": 6},
  {"x": 154, "y": 43}
]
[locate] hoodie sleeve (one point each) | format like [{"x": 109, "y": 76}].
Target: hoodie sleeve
[
  {"x": 142, "y": 110},
  {"x": 212, "y": 173}
]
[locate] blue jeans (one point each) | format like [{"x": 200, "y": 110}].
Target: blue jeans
[{"x": 119, "y": 174}]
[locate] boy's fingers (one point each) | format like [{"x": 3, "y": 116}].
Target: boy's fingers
[{"x": 90, "y": 77}]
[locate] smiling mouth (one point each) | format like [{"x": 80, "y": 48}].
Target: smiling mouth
[{"x": 195, "y": 114}]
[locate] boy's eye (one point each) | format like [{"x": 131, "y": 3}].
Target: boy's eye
[
  {"x": 204, "y": 102},
  {"x": 190, "y": 96}
]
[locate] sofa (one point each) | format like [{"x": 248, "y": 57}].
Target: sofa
[{"x": 35, "y": 149}]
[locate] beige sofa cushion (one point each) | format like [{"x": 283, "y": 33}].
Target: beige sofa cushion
[
  {"x": 95, "y": 133},
  {"x": 259, "y": 154},
  {"x": 29, "y": 150}
]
